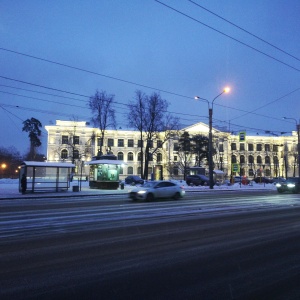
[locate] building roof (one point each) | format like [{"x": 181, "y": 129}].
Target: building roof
[{"x": 47, "y": 164}]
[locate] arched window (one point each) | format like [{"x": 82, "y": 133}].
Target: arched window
[
  {"x": 242, "y": 159},
  {"x": 64, "y": 154},
  {"x": 251, "y": 173},
  {"x": 258, "y": 159},
  {"x": 120, "y": 156},
  {"x": 130, "y": 157},
  {"x": 130, "y": 170},
  {"x": 275, "y": 160},
  {"x": 159, "y": 157},
  {"x": 268, "y": 172},
  {"x": 251, "y": 159},
  {"x": 76, "y": 154},
  {"x": 233, "y": 159},
  {"x": 267, "y": 160}
]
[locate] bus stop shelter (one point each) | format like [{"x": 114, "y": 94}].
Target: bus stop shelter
[{"x": 46, "y": 176}]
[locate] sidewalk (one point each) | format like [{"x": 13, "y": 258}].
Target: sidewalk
[{"x": 9, "y": 190}]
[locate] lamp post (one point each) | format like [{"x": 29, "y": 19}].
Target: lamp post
[
  {"x": 82, "y": 164},
  {"x": 210, "y": 137},
  {"x": 298, "y": 141}
]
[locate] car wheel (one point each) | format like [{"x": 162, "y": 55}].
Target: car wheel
[
  {"x": 176, "y": 196},
  {"x": 150, "y": 197},
  {"x": 280, "y": 190}
]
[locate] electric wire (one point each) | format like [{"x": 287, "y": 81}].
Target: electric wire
[
  {"x": 227, "y": 35},
  {"x": 248, "y": 32}
]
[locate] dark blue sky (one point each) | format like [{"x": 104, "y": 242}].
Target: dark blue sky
[{"x": 147, "y": 43}]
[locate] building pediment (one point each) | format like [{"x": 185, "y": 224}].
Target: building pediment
[{"x": 199, "y": 127}]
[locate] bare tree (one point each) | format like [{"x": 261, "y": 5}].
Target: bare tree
[
  {"x": 103, "y": 118},
  {"x": 137, "y": 120},
  {"x": 149, "y": 115}
]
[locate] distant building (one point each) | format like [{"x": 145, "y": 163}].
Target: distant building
[{"x": 255, "y": 155}]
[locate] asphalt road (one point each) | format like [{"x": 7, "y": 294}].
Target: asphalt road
[{"x": 206, "y": 246}]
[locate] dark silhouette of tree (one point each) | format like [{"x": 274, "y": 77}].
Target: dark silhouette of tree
[
  {"x": 103, "y": 114},
  {"x": 33, "y": 127},
  {"x": 200, "y": 148},
  {"x": 184, "y": 153}
]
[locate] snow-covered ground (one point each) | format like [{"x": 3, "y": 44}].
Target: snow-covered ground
[{"x": 7, "y": 185}]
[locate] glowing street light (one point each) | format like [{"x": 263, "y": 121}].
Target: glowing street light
[{"x": 210, "y": 137}]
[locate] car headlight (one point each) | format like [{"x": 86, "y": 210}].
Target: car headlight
[
  {"x": 141, "y": 192},
  {"x": 291, "y": 185},
  {"x": 278, "y": 185}
]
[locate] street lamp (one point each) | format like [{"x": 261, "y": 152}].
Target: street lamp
[
  {"x": 210, "y": 137},
  {"x": 298, "y": 141},
  {"x": 82, "y": 165}
]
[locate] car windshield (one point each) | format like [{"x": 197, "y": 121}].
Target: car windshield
[{"x": 150, "y": 184}]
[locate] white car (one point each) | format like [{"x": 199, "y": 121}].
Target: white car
[{"x": 157, "y": 189}]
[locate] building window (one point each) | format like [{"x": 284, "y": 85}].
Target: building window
[
  {"x": 233, "y": 159},
  {"x": 150, "y": 170},
  {"x": 150, "y": 157},
  {"x": 76, "y": 140},
  {"x": 267, "y": 147},
  {"x": 139, "y": 156},
  {"x": 267, "y": 160},
  {"x": 99, "y": 142},
  {"x": 120, "y": 142},
  {"x": 120, "y": 156},
  {"x": 251, "y": 159},
  {"x": 258, "y": 159},
  {"x": 175, "y": 157},
  {"x": 150, "y": 143},
  {"x": 175, "y": 171},
  {"x": 268, "y": 172},
  {"x": 130, "y": 143},
  {"x": 159, "y": 144},
  {"x": 250, "y": 147},
  {"x": 275, "y": 148},
  {"x": 140, "y": 143},
  {"x": 251, "y": 173},
  {"x": 259, "y": 147},
  {"x": 242, "y": 147},
  {"x": 221, "y": 148},
  {"x": 242, "y": 159},
  {"x": 275, "y": 159},
  {"x": 75, "y": 154},
  {"x": 139, "y": 170},
  {"x": 130, "y": 170},
  {"x": 130, "y": 157},
  {"x": 64, "y": 154},
  {"x": 233, "y": 146},
  {"x": 159, "y": 157},
  {"x": 175, "y": 147},
  {"x": 110, "y": 142},
  {"x": 121, "y": 171},
  {"x": 65, "y": 139}
]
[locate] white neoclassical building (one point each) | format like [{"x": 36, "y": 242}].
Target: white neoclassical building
[{"x": 271, "y": 156}]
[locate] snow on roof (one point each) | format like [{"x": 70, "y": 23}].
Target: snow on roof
[
  {"x": 105, "y": 161},
  {"x": 218, "y": 172},
  {"x": 47, "y": 164}
]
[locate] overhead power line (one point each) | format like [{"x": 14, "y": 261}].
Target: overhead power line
[
  {"x": 227, "y": 35},
  {"x": 248, "y": 32}
]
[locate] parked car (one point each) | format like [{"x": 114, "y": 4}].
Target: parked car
[
  {"x": 263, "y": 180},
  {"x": 157, "y": 189},
  {"x": 197, "y": 180},
  {"x": 291, "y": 184},
  {"x": 134, "y": 179}
]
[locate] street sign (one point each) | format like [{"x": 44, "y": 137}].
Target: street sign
[
  {"x": 242, "y": 136},
  {"x": 235, "y": 168}
]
